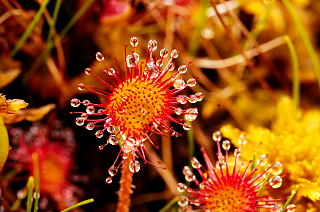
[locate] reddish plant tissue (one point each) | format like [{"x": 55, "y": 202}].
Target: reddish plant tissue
[
  {"x": 54, "y": 148},
  {"x": 141, "y": 100},
  {"x": 234, "y": 187}
]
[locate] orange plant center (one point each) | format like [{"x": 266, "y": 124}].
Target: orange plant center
[
  {"x": 229, "y": 198},
  {"x": 136, "y": 103},
  {"x": 52, "y": 174}
]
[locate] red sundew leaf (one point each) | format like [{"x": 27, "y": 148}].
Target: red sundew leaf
[{"x": 115, "y": 10}]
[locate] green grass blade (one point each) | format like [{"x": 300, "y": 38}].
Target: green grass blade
[
  {"x": 54, "y": 19},
  {"x": 196, "y": 35},
  {"x": 263, "y": 185},
  {"x": 304, "y": 36},
  {"x": 293, "y": 193},
  {"x": 30, "y": 186},
  {"x": 295, "y": 68},
  {"x": 76, "y": 17},
  {"x": 35, "y": 160},
  {"x": 30, "y": 28},
  {"x": 78, "y": 205},
  {"x": 169, "y": 205},
  {"x": 254, "y": 161}
]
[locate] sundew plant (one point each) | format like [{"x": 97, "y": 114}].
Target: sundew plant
[{"x": 175, "y": 105}]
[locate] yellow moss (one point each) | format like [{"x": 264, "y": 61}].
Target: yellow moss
[{"x": 294, "y": 139}]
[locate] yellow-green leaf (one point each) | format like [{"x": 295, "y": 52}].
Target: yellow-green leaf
[{"x": 4, "y": 143}]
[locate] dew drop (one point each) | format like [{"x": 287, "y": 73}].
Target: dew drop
[
  {"x": 134, "y": 166},
  {"x": 178, "y": 84},
  {"x": 189, "y": 176},
  {"x": 182, "y": 69},
  {"x": 99, "y": 133},
  {"x": 130, "y": 61},
  {"x": 237, "y": 152},
  {"x": 113, "y": 140},
  {"x": 134, "y": 41},
  {"x": 113, "y": 170},
  {"x": 193, "y": 99},
  {"x": 191, "y": 114},
  {"x": 263, "y": 160},
  {"x": 152, "y": 45},
  {"x": 90, "y": 126},
  {"x": 136, "y": 57},
  {"x": 174, "y": 54},
  {"x": 183, "y": 201},
  {"x": 80, "y": 121},
  {"x": 275, "y": 181},
  {"x": 99, "y": 56},
  {"x": 186, "y": 126},
  {"x": 111, "y": 71},
  {"x": 111, "y": 129},
  {"x": 101, "y": 110},
  {"x": 195, "y": 202},
  {"x": 182, "y": 99},
  {"x": 181, "y": 187},
  {"x": 195, "y": 163},
  {"x": 75, "y": 102},
  {"x": 277, "y": 208},
  {"x": 191, "y": 82},
  {"x": 88, "y": 71},
  {"x": 200, "y": 96},
  {"x": 84, "y": 115},
  {"x": 109, "y": 180},
  {"x": 90, "y": 109},
  {"x": 203, "y": 185},
  {"x": 216, "y": 136},
  {"x": 159, "y": 62},
  {"x": 186, "y": 169},
  {"x": 81, "y": 87},
  {"x": 276, "y": 168},
  {"x": 86, "y": 102},
  {"x": 178, "y": 110},
  {"x": 164, "y": 52},
  {"x": 291, "y": 208},
  {"x": 154, "y": 73},
  {"x": 242, "y": 140},
  {"x": 102, "y": 146},
  {"x": 171, "y": 67},
  {"x": 226, "y": 145}
]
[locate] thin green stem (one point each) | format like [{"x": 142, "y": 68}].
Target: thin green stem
[
  {"x": 35, "y": 160},
  {"x": 30, "y": 186},
  {"x": 305, "y": 38},
  {"x": 18, "y": 201},
  {"x": 78, "y": 205},
  {"x": 264, "y": 183},
  {"x": 30, "y": 28},
  {"x": 295, "y": 68},
  {"x": 76, "y": 17},
  {"x": 54, "y": 19},
  {"x": 254, "y": 161},
  {"x": 169, "y": 205},
  {"x": 293, "y": 193},
  {"x": 201, "y": 19}
]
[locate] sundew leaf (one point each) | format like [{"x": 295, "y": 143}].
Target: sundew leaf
[{"x": 4, "y": 143}]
